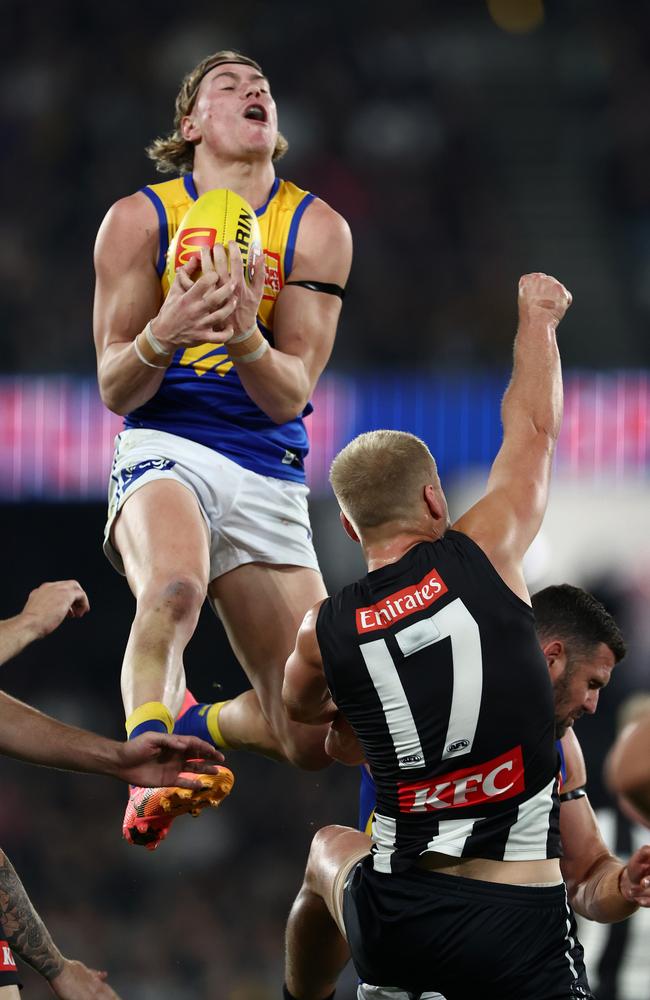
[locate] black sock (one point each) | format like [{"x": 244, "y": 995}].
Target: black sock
[{"x": 289, "y": 996}]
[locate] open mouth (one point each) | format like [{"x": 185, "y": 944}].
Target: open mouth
[{"x": 255, "y": 113}]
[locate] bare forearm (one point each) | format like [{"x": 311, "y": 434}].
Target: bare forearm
[
  {"x": 535, "y": 391},
  {"x": 599, "y": 896},
  {"x": 15, "y": 634},
  {"x": 125, "y": 382},
  {"x": 23, "y": 929},
  {"x": 27, "y": 734},
  {"x": 278, "y": 383}
]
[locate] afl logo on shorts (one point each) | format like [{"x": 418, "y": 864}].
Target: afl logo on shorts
[
  {"x": 190, "y": 242},
  {"x": 456, "y": 746}
]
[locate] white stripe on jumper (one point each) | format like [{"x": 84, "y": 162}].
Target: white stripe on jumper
[
  {"x": 399, "y": 718},
  {"x": 529, "y": 834}
]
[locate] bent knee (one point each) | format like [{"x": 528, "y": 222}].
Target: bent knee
[
  {"x": 324, "y": 838},
  {"x": 332, "y": 847},
  {"x": 320, "y": 847},
  {"x": 178, "y": 597}
]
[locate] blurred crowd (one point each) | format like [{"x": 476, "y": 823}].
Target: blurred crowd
[
  {"x": 204, "y": 916},
  {"x": 461, "y": 153}
]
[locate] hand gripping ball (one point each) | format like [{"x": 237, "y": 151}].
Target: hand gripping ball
[{"x": 218, "y": 216}]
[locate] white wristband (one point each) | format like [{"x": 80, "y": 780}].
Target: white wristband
[
  {"x": 245, "y": 335},
  {"x": 154, "y": 343},
  {"x": 254, "y": 355},
  {"x": 142, "y": 357}
]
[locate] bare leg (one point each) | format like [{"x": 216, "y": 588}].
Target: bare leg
[
  {"x": 163, "y": 541},
  {"x": 9, "y": 993},
  {"x": 262, "y": 607},
  {"x": 316, "y": 949}
]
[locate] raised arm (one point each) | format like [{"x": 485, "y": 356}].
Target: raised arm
[
  {"x": 44, "y": 611},
  {"x": 128, "y": 295},
  {"x": 505, "y": 521},
  {"x": 282, "y": 381},
  {"x": 599, "y": 885},
  {"x": 305, "y": 693}
]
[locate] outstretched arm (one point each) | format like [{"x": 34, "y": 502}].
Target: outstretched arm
[
  {"x": 29, "y": 938},
  {"x": 44, "y": 611},
  {"x": 305, "y": 693},
  {"x": 505, "y": 521},
  {"x": 152, "y": 759}
]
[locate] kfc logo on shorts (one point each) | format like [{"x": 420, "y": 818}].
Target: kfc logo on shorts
[
  {"x": 502, "y": 778},
  {"x": 190, "y": 242},
  {"x": 401, "y": 604}
]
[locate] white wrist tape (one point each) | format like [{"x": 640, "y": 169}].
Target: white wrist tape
[
  {"x": 154, "y": 343},
  {"x": 254, "y": 355},
  {"x": 245, "y": 335},
  {"x": 141, "y": 356}
]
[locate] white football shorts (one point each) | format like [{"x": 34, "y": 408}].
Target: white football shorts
[{"x": 250, "y": 518}]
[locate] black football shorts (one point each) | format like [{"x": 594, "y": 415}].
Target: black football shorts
[{"x": 424, "y": 931}]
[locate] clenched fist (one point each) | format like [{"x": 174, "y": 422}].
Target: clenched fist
[{"x": 541, "y": 295}]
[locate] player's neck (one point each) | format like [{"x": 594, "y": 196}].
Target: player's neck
[
  {"x": 251, "y": 180},
  {"x": 382, "y": 552}
]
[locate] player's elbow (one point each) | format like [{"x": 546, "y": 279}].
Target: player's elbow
[
  {"x": 291, "y": 703},
  {"x": 294, "y": 707},
  {"x": 295, "y": 712},
  {"x": 113, "y": 401},
  {"x": 546, "y": 433},
  {"x": 283, "y": 411},
  {"x": 112, "y": 395}
]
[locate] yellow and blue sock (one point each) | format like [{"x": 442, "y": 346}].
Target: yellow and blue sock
[
  {"x": 202, "y": 720},
  {"x": 152, "y": 716}
]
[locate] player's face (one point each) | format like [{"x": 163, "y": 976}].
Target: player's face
[
  {"x": 235, "y": 113},
  {"x": 577, "y": 688}
]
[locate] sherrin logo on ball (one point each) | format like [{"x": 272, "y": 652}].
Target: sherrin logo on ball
[{"x": 218, "y": 216}]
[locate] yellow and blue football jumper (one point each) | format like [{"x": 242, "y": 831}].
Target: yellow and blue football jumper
[{"x": 201, "y": 396}]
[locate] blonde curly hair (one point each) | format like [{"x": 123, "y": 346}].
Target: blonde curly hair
[{"x": 175, "y": 154}]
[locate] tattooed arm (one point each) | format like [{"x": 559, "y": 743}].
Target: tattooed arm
[
  {"x": 29, "y": 938},
  {"x": 24, "y": 930}
]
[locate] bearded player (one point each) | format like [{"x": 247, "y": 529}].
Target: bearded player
[{"x": 214, "y": 378}]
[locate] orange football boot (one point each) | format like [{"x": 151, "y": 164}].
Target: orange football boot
[{"x": 150, "y": 811}]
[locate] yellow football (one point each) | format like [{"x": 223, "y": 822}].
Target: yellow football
[{"x": 218, "y": 216}]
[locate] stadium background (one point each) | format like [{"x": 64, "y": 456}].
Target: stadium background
[{"x": 466, "y": 143}]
